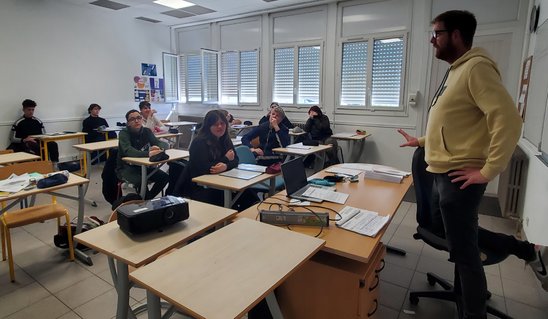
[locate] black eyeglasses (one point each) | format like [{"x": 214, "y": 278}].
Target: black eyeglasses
[
  {"x": 436, "y": 33},
  {"x": 131, "y": 119}
]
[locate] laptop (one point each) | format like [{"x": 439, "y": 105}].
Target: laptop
[{"x": 295, "y": 180}]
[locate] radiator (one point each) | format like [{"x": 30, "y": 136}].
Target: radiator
[{"x": 511, "y": 188}]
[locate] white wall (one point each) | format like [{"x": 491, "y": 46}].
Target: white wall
[
  {"x": 66, "y": 57},
  {"x": 535, "y": 209}
]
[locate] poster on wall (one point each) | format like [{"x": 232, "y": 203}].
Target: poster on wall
[
  {"x": 148, "y": 69},
  {"x": 148, "y": 89}
]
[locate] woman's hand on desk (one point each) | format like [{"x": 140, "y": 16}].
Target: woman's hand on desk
[
  {"x": 257, "y": 151},
  {"x": 218, "y": 168}
]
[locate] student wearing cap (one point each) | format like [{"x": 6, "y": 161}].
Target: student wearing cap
[{"x": 93, "y": 124}]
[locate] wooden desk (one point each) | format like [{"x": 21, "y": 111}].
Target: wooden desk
[
  {"x": 353, "y": 139},
  {"x": 74, "y": 180},
  {"x": 145, "y": 163},
  {"x": 226, "y": 273},
  {"x": 45, "y": 138},
  {"x": 17, "y": 157},
  {"x": 317, "y": 151},
  {"x": 231, "y": 184},
  {"x": 99, "y": 147},
  {"x": 136, "y": 251},
  {"x": 348, "y": 262}
]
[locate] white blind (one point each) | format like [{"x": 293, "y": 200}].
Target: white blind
[
  {"x": 249, "y": 76},
  {"x": 171, "y": 85},
  {"x": 283, "y": 75},
  {"x": 387, "y": 72},
  {"x": 182, "y": 78},
  {"x": 229, "y": 78},
  {"x": 210, "y": 77},
  {"x": 194, "y": 77},
  {"x": 354, "y": 74},
  {"x": 309, "y": 75}
]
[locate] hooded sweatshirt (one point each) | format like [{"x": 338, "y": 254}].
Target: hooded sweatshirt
[{"x": 473, "y": 122}]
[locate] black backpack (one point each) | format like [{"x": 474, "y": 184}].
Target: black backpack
[{"x": 110, "y": 180}]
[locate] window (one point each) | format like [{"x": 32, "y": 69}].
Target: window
[
  {"x": 210, "y": 78},
  {"x": 171, "y": 83},
  {"x": 297, "y": 74},
  {"x": 373, "y": 79},
  {"x": 239, "y": 77}
]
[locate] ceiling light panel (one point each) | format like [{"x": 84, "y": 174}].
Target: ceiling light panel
[{"x": 175, "y": 4}]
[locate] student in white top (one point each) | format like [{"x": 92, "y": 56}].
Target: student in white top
[{"x": 149, "y": 120}]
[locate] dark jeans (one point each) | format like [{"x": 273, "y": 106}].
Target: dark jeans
[
  {"x": 132, "y": 174},
  {"x": 459, "y": 211}
]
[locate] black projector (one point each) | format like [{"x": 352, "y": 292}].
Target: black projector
[{"x": 152, "y": 215}]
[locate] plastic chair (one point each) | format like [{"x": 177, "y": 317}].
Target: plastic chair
[{"x": 30, "y": 215}]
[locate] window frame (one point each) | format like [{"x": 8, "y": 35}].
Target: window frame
[
  {"x": 401, "y": 110},
  {"x": 295, "y": 46},
  {"x": 238, "y": 78},
  {"x": 174, "y": 58}
]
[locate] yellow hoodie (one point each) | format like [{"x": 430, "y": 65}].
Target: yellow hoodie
[{"x": 473, "y": 122}]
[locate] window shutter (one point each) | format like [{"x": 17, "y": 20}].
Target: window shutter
[
  {"x": 354, "y": 74},
  {"x": 229, "y": 78},
  {"x": 283, "y": 75},
  {"x": 309, "y": 75},
  {"x": 194, "y": 77},
  {"x": 387, "y": 72},
  {"x": 249, "y": 76},
  {"x": 210, "y": 77},
  {"x": 171, "y": 85}
]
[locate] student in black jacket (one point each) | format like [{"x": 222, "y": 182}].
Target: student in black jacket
[
  {"x": 286, "y": 122},
  {"x": 212, "y": 152},
  {"x": 91, "y": 124},
  {"x": 319, "y": 129}
]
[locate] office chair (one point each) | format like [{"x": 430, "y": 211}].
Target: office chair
[
  {"x": 245, "y": 156},
  {"x": 423, "y": 182}
]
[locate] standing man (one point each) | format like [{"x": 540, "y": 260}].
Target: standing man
[
  {"x": 473, "y": 128},
  {"x": 139, "y": 141},
  {"x": 28, "y": 125}
]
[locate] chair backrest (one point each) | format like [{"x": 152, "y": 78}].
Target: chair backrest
[
  {"x": 245, "y": 155},
  {"x": 6, "y": 151},
  {"x": 42, "y": 167},
  {"x": 422, "y": 180}
]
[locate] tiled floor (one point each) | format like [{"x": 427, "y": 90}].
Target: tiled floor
[{"x": 48, "y": 286}]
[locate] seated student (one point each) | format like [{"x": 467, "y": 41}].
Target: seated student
[
  {"x": 265, "y": 118},
  {"x": 90, "y": 126},
  {"x": 212, "y": 152},
  {"x": 30, "y": 125},
  {"x": 149, "y": 119},
  {"x": 319, "y": 129},
  {"x": 232, "y": 132},
  {"x": 138, "y": 141},
  {"x": 272, "y": 134}
]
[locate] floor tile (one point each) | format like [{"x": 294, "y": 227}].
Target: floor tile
[
  {"x": 397, "y": 275},
  {"x": 48, "y": 308},
  {"x": 21, "y": 298},
  {"x": 83, "y": 291}
]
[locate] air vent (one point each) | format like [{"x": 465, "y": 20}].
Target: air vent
[
  {"x": 197, "y": 10},
  {"x": 178, "y": 14},
  {"x": 269, "y": 0},
  {"x": 109, "y": 4},
  {"x": 148, "y": 19}
]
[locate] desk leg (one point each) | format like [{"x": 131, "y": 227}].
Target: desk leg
[
  {"x": 319, "y": 161},
  {"x": 359, "y": 152},
  {"x": 79, "y": 254},
  {"x": 87, "y": 165},
  {"x": 144, "y": 179},
  {"x": 275, "y": 310},
  {"x": 228, "y": 198},
  {"x": 46, "y": 153},
  {"x": 272, "y": 186},
  {"x": 122, "y": 288},
  {"x": 154, "y": 307}
]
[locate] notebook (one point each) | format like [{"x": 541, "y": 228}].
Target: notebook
[
  {"x": 241, "y": 174},
  {"x": 295, "y": 180}
]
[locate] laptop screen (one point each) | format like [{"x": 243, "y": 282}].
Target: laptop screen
[{"x": 294, "y": 175}]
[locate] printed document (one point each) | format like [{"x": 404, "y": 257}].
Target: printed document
[
  {"x": 328, "y": 195},
  {"x": 361, "y": 221}
]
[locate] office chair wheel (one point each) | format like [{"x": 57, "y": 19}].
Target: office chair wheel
[
  {"x": 414, "y": 300},
  {"x": 431, "y": 280}
]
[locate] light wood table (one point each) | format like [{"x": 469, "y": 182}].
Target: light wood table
[
  {"x": 317, "y": 151},
  {"x": 144, "y": 162},
  {"x": 232, "y": 184},
  {"x": 17, "y": 157},
  {"x": 353, "y": 139},
  {"x": 136, "y": 251},
  {"x": 348, "y": 263},
  {"x": 73, "y": 181},
  {"x": 226, "y": 273},
  {"x": 52, "y": 137}
]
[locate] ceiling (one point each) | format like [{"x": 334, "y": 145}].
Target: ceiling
[{"x": 204, "y": 10}]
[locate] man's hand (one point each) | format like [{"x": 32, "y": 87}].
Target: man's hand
[
  {"x": 411, "y": 140},
  {"x": 257, "y": 151},
  {"x": 218, "y": 168},
  {"x": 154, "y": 150},
  {"x": 29, "y": 139},
  {"x": 230, "y": 155},
  {"x": 469, "y": 176}
]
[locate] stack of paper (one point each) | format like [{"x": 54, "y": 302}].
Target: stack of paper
[
  {"x": 361, "y": 221},
  {"x": 299, "y": 146},
  {"x": 252, "y": 167},
  {"x": 384, "y": 173}
]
